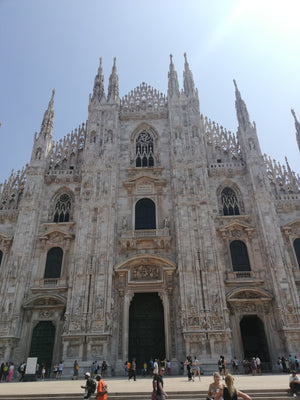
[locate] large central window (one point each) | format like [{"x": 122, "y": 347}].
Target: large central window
[
  {"x": 145, "y": 214},
  {"x": 144, "y": 150}
]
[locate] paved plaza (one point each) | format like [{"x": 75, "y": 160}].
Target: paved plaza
[{"x": 118, "y": 385}]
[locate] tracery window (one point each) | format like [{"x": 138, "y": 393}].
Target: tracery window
[
  {"x": 1, "y": 255},
  {"x": 229, "y": 202},
  {"x": 62, "y": 208},
  {"x": 144, "y": 150},
  {"x": 297, "y": 250},
  {"x": 239, "y": 256},
  {"x": 53, "y": 263},
  {"x": 145, "y": 214}
]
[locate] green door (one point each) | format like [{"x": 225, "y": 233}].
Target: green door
[
  {"x": 146, "y": 329},
  {"x": 42, "y": 343}
]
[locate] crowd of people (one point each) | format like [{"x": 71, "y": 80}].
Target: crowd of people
[
  {"x": 6, "y": 371},
  {"x": 150, "y": 368},
  {"x": 99, "y": 368},
  {"x": 287, "y": 364}
]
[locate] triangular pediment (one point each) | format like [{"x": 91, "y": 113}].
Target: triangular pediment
[
  {"x": 294, "y": 223},
  {"x": 236, "y": 225},
  {"x": 144, "y": 100},
  {"x": 142, "y": 179},
  {"x": 5, "y": 237},
  {"x": 143, "y": 92},
  {"x": 56, "y": 231}
]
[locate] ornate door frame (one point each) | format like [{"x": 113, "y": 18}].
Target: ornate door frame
[{"x": 146, "y": 273}]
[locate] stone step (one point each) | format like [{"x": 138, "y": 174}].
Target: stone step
[{"x": 279, "y": 394}]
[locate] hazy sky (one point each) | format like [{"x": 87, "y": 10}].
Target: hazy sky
[{"x": 57, "y": 44}]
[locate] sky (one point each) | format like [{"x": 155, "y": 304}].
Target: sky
[{"x": 56, "y": 44}]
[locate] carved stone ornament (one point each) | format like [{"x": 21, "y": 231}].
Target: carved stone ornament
[
  {"x": 45, "y": 314},
  {"x": 57, "y": 235},
  {"x": 292, "y": 228},
  {"x": 145, "y": 273},
  {"x": 236, "y": 229}
]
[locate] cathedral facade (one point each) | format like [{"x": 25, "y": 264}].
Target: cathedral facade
[{"x": 149, "y": 231}]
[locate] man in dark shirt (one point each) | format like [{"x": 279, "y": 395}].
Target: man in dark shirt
[
  {"x": 89, "y": 387},
  {"x": 160, "y": 393}
]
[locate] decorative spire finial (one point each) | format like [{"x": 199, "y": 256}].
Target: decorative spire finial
[
  {"x": 241, "y": 109},
  {"x": 98, "y": 90},
  {"x": 113, "y": 86},
  {"x": 297, "y": 126},
  {"x": 47, "y": 124},
  {"x": 188, "y": 80},
  {"x": 173, "y": 87}
]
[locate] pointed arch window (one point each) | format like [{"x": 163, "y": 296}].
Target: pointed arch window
[
  {"x": 62, "y": 210},
  {"x": 145, "y": 214},
  {"x": 239, "y": 256},
  {"x": 230, "y": 202},
  {"x": 297, "y": 250},
  {"x": 1, "y": 256},
  {"x": 53, "y": 263},
  {"x": 144, "y": 150}
]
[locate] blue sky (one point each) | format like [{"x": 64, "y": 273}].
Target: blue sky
[{"x": 57, "y": 44}]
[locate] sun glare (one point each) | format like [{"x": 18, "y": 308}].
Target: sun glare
[{"x": 281, "y": 14}]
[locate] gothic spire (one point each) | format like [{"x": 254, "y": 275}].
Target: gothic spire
[
  {"x": 188, "y": 80},
  {"x": 113, "y": 86},
  {"x": 173, "y": 87},
  {"x": 47, "y": 124},
  {"x": 297, "y": 126},
  {"x": 241, "y": 109},
  {"x": 98, "y": 91}
]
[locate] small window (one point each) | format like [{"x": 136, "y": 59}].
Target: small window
[
  {"x": 145, "y": 214},
  {"x": 62, "y": 208},
  {"x": 239, "y": 256},
  {"x": 297, "y": 250},
  {"x": 144, "y": 150},
  {"x": 53, "y": 263},
  {"x": 1, "y": 256},
  {"x": 229, "y": 202}
]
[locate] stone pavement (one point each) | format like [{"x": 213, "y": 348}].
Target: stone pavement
[{"x": 119, "y": 384}]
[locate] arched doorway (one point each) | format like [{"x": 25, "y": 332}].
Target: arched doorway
[
  {"x": 146, "y": 328},
  {"x": 254, "y": 338},
  {"x": 42, "y": 343}
]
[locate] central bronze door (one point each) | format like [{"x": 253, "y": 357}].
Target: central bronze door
[
  {"x": 146, "y": 328},
  {"x": 42, "y": 343}
]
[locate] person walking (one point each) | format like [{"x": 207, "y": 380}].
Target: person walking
[
  {"x": 230, "y": 392},
  {"x": 160, "y": 392},
  {"x": 101, "y": 389},
  {"x": 196, "y": 368},
  {"x": 90, "y": 386},
  {"x": 60, "y": 370},
  {"x": 43, "y": 372},
  {"x": 10, "y": 372},
  {"x": 154, "y": 387}
]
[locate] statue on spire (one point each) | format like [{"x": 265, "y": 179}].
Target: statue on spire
[
  {"x": 173, "y": 87},
  {"x": 98, "y": 91},
  {"x": 241, "y": 109},
  {"x": 47, "y": 124},
  {"x": 188, "y": 80},
  {"x": 113, "y": 86},
  {"x": 297, "y": 126}
]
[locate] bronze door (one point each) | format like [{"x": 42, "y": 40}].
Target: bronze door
[{"x": 146, "y": 329}]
